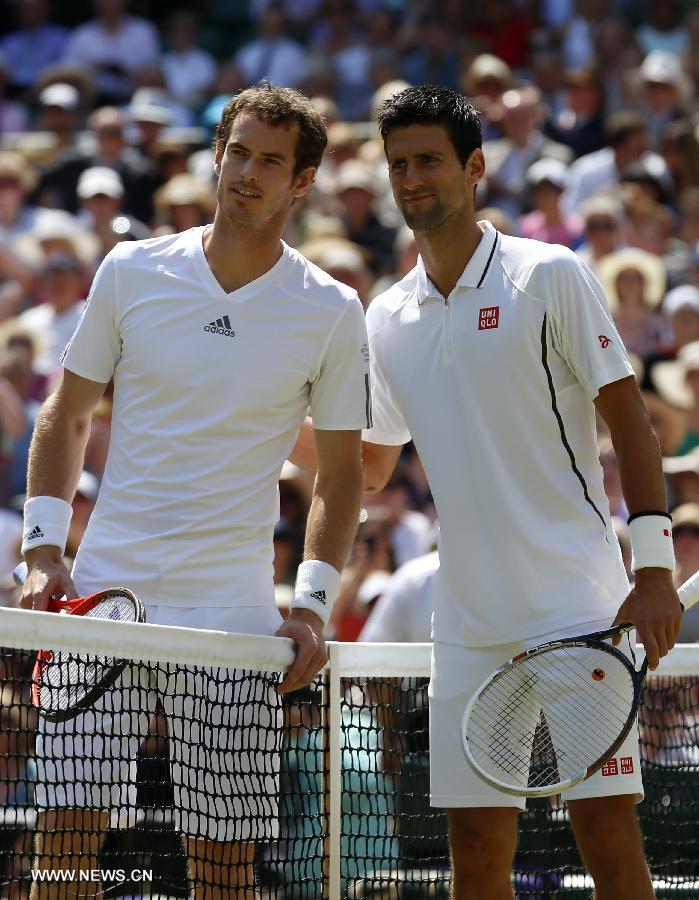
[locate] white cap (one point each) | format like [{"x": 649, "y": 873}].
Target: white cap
[
  {"x": 686, "y": 296},
  {"x": 553, "y": 170},
  {"x": 662, "y": 67},
  {"x": 355, "y": 174},
  {"x": 60, "y": 94},
  {"x": 100, "y": 180}
]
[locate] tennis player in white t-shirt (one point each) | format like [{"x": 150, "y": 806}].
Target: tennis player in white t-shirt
[
  {"x": 492, "y": 355},
  {"x": 218, "y": 340}
]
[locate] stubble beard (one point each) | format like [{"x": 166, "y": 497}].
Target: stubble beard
[{"x": 425, "y": 221}]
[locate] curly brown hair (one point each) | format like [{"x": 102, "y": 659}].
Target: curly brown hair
[{"x": 279, "y": 106}]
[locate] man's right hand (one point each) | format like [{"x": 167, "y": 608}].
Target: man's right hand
[{"x": 47, "y": 577}]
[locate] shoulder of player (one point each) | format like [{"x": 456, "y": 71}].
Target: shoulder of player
[
  {"x": 141, "y": 253},
  {"x": 538, "y": 269},
  {"x": 390, "y": 301},
  {"x": 311, "y": 285}
]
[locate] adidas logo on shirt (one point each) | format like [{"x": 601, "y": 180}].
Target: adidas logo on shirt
[
  {"x": 35, "y": 533},
  {"x": 221, "y": 326},
  {"x": 319, "y": 596}
]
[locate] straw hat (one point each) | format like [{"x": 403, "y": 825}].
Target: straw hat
[
  {"x": 182, "y": 190},
  {"x": 670, "y": 378},
  {"x": 649, "y": 266}
]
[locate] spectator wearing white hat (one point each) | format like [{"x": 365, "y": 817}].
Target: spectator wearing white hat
[
  {"x": 634, "y": 282},
  {"x": 60, "y": 114},
  {"x": 665, "y": 92},
  {"x": 546, "y": 179},
  {"x": 681, "y": 307},
  {"x": 101, "y": 194},
  {"x": 677, "y": 382}
]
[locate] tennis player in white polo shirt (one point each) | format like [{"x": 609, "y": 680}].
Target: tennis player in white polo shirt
[
  {"x": 493, "y": 355},
  {"x": 218, "y": 340}
]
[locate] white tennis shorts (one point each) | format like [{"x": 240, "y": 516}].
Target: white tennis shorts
[
  {"x": 457, "y": 672},
  {"x": 224, "y": 733}
]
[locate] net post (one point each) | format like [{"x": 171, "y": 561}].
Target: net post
[{"x": 332, "y": 787}]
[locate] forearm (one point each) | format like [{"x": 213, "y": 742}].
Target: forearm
[
  {"x": 57, "y": 451},
  {"x": 333, "y": 517},
  {"x": 640, "y": 463}
]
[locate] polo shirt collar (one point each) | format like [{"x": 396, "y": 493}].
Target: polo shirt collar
[{"x": 474, "y": 274}]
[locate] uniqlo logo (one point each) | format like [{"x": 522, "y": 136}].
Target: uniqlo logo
[
  {"x": 610, "y": 767},
  {"x": 489, "y": 317},
  {"x": 627, "y": 765}
]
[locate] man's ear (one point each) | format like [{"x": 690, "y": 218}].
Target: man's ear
[
  {"x": 304, "y": 182},
  {"x": 475, "y": 166}
]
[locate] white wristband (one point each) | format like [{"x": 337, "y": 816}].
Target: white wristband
[
  {"x": 46, "y": 521},
  {"x": 317, "y": 584},
  {"x": 651, "y": 541}
]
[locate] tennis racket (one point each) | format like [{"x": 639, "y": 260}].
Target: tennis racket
[
  {"x": 552, "y": 716},
  {"x": 64, "y": 684}
]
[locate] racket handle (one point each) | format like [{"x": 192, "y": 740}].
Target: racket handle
[{"x": 20, "y": 574}]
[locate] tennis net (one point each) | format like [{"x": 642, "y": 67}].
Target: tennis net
[{"x": 324, "y": 795}]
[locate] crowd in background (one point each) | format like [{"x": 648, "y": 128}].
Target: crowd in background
[{"x": 591, "y": 132}]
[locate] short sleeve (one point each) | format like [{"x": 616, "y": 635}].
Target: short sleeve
[
  {"x": 95, "y": 347},
  {"x": 339, "y": 397},
  {"x": 388, "y": 427},
  {"x": 583, "y": 329}
]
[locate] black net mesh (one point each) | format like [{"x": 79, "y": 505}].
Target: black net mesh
[{"x": 207, "y": 766}]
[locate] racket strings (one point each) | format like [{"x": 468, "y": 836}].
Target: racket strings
[
  {"x": 548, "y": 717},
  {"x": 68, "y": 679}
]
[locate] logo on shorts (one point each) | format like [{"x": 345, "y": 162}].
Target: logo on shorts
[
  {"x": 627, "y": 765},
  {"x": 611, "y": 767},
  {"x": 489, "y": 317},
  {"x": 319, "y": 596},
  {"x": 604, "y": 340},
  {"x": 220, "y": 326}
]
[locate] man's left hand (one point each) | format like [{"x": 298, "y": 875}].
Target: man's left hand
[
  {"x": 654, "y": 608},
  {"x": 306, "y": 630}
]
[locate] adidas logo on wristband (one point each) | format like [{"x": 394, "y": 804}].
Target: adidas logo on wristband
[
  {"x": 319, "y": 596},
  {"x": 35, "y": 533}
]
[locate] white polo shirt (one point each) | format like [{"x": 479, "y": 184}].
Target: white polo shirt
[
  {"x": 495, "y": 386},
  {"x": 209, "y": 392},
  {"x": 403, "y": 612}
]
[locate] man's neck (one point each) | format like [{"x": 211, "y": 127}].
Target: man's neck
[
  {"x": 446, "y": 252},
  {"x": 239, "y": 257}
]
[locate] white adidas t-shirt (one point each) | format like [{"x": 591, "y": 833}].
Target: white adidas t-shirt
[
  {"x": 495, "y": 385},
  {"x": 209, "y": 392}
]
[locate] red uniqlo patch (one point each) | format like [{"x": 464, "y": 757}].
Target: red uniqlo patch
[
  {"x": 489, "y": 317},
  {"x": 627, "y": 765},
  {"x": 610, "y": 767},
  {"x": 666, "y": 532}
]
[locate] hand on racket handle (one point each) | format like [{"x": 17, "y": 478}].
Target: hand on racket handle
[
  {"x": 44, "y": 580},
  {"x": 654, "y": 609}
]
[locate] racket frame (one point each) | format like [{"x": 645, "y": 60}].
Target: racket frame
[
  {"x": 80, "y": 606},
  {"x": 595, "y": 641}
]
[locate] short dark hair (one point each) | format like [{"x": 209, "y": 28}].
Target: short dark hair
[
  {"x": 280, "y": 106},
  {"x": 433, "y": 104},
  {"x": 621, "y": 125}
]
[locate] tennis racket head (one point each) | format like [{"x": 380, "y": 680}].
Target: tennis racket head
[
  {"x": 551, "y": 716},
  {"x": 63, "y": 684}
]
